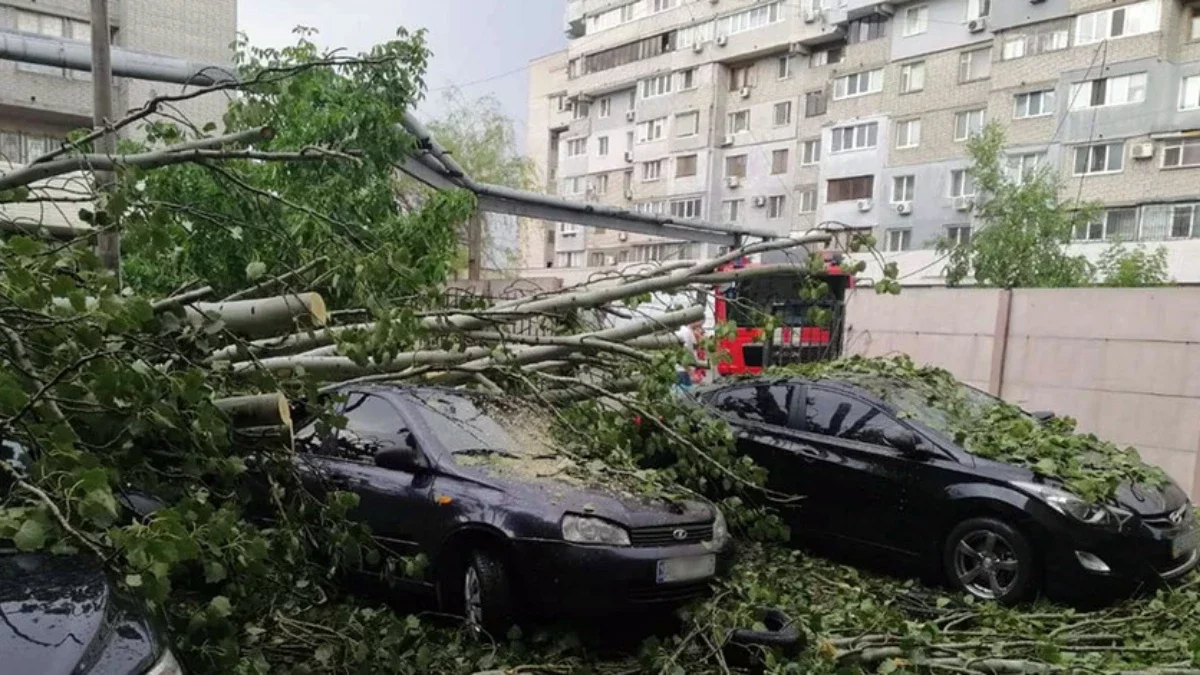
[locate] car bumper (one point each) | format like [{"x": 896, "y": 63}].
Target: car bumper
[
  {"x": 1141, "y": 560},
  {"x": 568, "y": 578}
]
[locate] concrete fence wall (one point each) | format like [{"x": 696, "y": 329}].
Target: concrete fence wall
[{"x": 1124, "y": 362}]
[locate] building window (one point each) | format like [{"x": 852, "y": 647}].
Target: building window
[
  {"x": 903, "y": 189},
  {"x": 638, "y": 50},
  {"x": 958, "y": 235},
  {"x": 602, "y": 142},
  {"x": 652, "y": 170},
  {"x": 847, "y": 189},
  {"x": 659, "y": 85},
  {"x": 651, "y": 130},
  {"x": 576, "y": 147},
  {"x": 968, "y": 123},
  {"x": 580, "y": 110},
  {"x": 1051, "y": 37},
  {"x": 739, "y": 122},
  {"x": 1100, "y": 158},
  {"x": 858, "y": 84},
  {"x": 898, "y": 240},
  {"x": 735, "y": 166},
  {"x": 1118, "y": 22},
  {"x": 810, "y": 152},
  {"x": 815, "y": 103},
  {"x": 687, "y": 124},
  {"x": 1034, "y": 104},
  {"x": 1183, "y": 221},
  {"x": 775, "y": 206},
  {"x": 912, "y": 77},
  {"x": 908, "y": 134},
  {"x": 602, "y": 184},
  {"x": 740, "y": 76},
  {"x": 685, "y": 166},
  {"x": 662, "y": 5},
  {"x": 807, "y": 196},
  {"x": 605, "y": 107},
  {"x": 916, "y": 20},
  {"x": 962, "y": 184},
  {"x": 783, "y": 113},
  {"x": 596, "y": 259},
  {"x": 1113, "y": 224},
  {"x": 1107, "y": 91},
  {"x": 783, "y": 67},
  {"x": 1025, "y": 166},
  {"x": 21, "y": 148},
  {"x": 731, "y": 209},
  {"x": 867, "y": 28},
  {"x": 559, "y": 101},
  {"x": 978, "y": 9},
  {"x": 856, "y": 137},
  {"x": 750, "y": 19},
  {"x": 1189, "y": 93},
  {"x": 568, "y": 229},
  {"x": 827, "y": 57},
  {"x": 779, "y": 162},
  {"x": 687, "y": 79},
  {"x": 1181, "y": 153},
  {"x": 57, "y": 27},
  {"x": 1194, "y": 34},
  {"x": 574, "y": 185},
  {"x": 569, "y": 259},
  {"x": 975, "y": 65},
  {"x": 686, "y": 208},
  {"x": 629, "y": 141}
]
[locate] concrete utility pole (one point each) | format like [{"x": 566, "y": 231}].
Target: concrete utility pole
[
  {"x": 108, "y": 242},
  {"x": 475, "y": 246}
]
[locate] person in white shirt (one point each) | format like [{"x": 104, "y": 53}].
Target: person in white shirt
[{"x": 688, "y": 336}]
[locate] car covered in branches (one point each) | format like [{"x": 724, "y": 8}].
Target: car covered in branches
[
  {"x": 508, "y": 524},
  {"x": 907, "y": 463}
]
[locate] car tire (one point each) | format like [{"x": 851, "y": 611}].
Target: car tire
[
  {"x": 991, "y": 560},
  {"x": 482, "y": 594}
]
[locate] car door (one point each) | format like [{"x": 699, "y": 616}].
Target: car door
[
  {"x": 397, "y": 505},
  {"x": 866, "y": 479}
]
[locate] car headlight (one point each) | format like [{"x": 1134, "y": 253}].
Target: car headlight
[
  {"x": 167, "y": 664},
  {"x": 1069, "y": 505},
  {"x": 589, "y": 530},
  {"x": 720, "y": 531}
]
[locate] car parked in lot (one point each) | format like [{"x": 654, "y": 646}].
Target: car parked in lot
[
  {"x": 468, "y": 481},
  {"x": 886, "y": 476}
]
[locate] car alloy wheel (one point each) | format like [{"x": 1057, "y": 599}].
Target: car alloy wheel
[
  {"x": 473, "y": 599},
  {"x": 986, "y": 564}
]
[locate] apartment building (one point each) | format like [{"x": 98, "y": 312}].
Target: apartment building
[
  {"x": 39, "y": 105},
  {"x": 792, "y": 114}
]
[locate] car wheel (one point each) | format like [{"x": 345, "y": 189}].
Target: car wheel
[
  {"x": 484, "y": 594},
  {"x": 990, "y": 559}
]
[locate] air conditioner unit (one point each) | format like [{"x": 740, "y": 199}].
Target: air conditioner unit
[
  {"x": 727, "y": 141},
  {"x": 977, "y": 25},
  {"x": 798, "y": 49},
  {"x": 630, "y": 115},
  {"x": 904, "y": 208},
  {"x": 964, "y": 203},
  {"x": 733, "y": 181},
  {"x": 760, "y": 202},
  {"x": 629, "y": 156},
  {"x": 722, "y": 40},
  {"x": 865, "y": 205},
  {"x": 1142, "y": 151},
  {"x": 622, "y": 236},
  {"x": 697, "y": 47},
  {"x": 811, "y": 15},
  {"x": 628, "y": 193},
  {"x": 744, "y": 92}
]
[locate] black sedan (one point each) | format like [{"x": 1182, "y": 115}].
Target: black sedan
[
  {"x": 509, "y": 528},
  {"x": 886, "y": 476}
]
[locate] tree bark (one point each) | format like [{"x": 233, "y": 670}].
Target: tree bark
[
  {"x": 257, "y": 410},
  {"x": 262, "y": 317}
]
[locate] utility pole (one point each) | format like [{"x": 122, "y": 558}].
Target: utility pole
[
  {"x": 475, "y": 246},
  {"x": 108, "y": 241}
]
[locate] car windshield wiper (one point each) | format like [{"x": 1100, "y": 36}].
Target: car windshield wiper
[{"x": 477, "y": 452}]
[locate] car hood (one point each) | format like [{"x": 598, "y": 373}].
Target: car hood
[
  {"x": 59, "y": 614},
  {"x": 1150, "y": 500}
]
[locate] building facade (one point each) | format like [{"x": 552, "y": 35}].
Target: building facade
[{"x": 792, "y": 114}]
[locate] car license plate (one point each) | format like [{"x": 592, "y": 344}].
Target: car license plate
[
  {"x": 1183, "y": 545},
  {"x": 686, "y": 569}
]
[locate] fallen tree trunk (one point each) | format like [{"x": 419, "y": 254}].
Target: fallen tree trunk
[
  {"x": 262, "y": 317},
  {"x": 289, "y": 344},
  {"x": 257, "y": 410}
]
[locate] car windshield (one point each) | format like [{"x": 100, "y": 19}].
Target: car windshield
[
  {"x": 463, "y": 427},
  {"x": 942, "y": 410}
]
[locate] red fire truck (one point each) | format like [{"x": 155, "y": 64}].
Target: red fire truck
[{"x": 744, "y": 303}]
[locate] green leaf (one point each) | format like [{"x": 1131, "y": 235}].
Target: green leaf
[
  {"x": 31, "y": 536},
  {"x": 220, "y": 606},
  {"x": 24, "y": 246},
  {"x": 214, "y": 572},
  {"x": 255, "y": 270},
  {"x": 133, "y": 580}
]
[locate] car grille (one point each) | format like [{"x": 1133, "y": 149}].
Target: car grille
[
  {"x": 669, "y": 535},
  {"x": 668, "y": 592},
  {"x": 1170, "y": 519}
]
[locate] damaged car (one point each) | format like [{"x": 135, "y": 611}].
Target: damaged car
[
  {"x": 882, "y": 469},
  {"x": 509, "y": 527}
]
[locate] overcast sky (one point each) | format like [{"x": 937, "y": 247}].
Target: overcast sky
[{"x": 471, "y": 40}]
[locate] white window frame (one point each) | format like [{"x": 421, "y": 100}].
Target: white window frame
[
  {"x": 684, "y": 76},
  {"x": 810, "y": 152},
  {"x": 1020, "y": 168},
  {"x": 1094, "y": 27},
  {"x": 908, "y": 134},
  {"x": 787, "y": 107},
  {"x": 912, "y": 77},
  {"x": 732, "y": 122},
  {"x": 601, "y": 184},
  {"x": 783, "y": 68},
  {"x": 657, "y": 85},
  {"x": 787, "y": 160},
  {"x": 695, "y": 165},
  {"x": 1134, "y": 86},
  {"x": 1044, "y": 109},
  {"x": 776, "y": 206},
  {"x": 916, "y": 20},
  {"x": 872, "y": 85},
  {"x": 602, "y": 146},
  {"x": 1182, "y": 144},
  {"x": 960, "y": 180},
  {"x": 1189, "y": 93},
  {"x": 898, "y": 239},
  {"x": 652, "y": 171},
  {"x": 967, "y": 61},
  {"x": 681, "y": 120},
  {"x": 575, "y": 185},
  {"x": 904, "y": 189},
  {"x": 1108, "y": 156},
  {"x": 954, "y": 234},
  {"x": 605, "y": 107},
  {"x": 854, "y": 137},
  {"x": 968, "y": 115},
  {"x": 652, "y": 130},
  {"x": 1106, "y": 230},
  {"x": 979, "y": 9},
  {"x": 731, "y": 209},
  {"x": 577, "y": 147},
  {"x": 691, "y": 208},
  {"x": 807, "y": 199},
  {"x": 657, "y": 6},
  {"x": 745, "y": 165}
]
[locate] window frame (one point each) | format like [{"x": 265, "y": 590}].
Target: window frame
[
  {"x": 908, "y": 188},
  {"x": 920, "y": 26},
  {"x": 967, "y": 115},
  {"x": 874, "y": 84},
  {"x": 787, "y": 107},
  {"x": 1028, "y": 96},
  {"x": 910, "y": 125},
  {"x": 777, "y": 205},
  {"x": 905, "y": 239},
  {"x": 1091, "y": 160},
  {"x": 810, "y": 152},
  {"x": 966, "y": 61},
  {"x": 731, "y": 122},
  {"x": 695, "y": 164},
  {"x": 907, "y": 72},
  {"x": 1182, "y": 144}
]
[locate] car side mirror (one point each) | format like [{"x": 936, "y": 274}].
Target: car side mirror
[
  {"x": 406, "y": 456},
  {"x": 904, "y": 440}
]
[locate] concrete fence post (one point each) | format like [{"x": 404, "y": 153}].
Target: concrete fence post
[{"x": 1000, "y": 343}]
